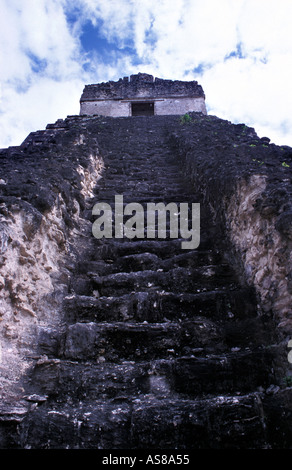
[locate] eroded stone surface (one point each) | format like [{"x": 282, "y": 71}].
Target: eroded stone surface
[
  {"x": 134, "y": 344},
  {"x": 41, "y": 207},
  {"x": 253, "y": 178}
]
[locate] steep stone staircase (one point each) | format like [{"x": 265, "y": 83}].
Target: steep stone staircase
[{"x": 162, "y": 348}]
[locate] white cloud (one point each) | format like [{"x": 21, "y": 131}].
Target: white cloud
[
  {"x": 203, "y": 33},
  {"x": 240, "y": 52},
  {"x": 266, "y": 25},
  {"x": 35, "y": 28},
  {"x": 39, "y": 67},
  {"x": 256, "y": 93},
  {"x": 115, "y": 15},
  {"x": 44, "y": 102}
]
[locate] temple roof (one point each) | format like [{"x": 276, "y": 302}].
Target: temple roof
[{"x": 139, "y": 86}]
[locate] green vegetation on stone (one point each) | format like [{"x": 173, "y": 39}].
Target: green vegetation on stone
[{"x": 185, "y": 119}]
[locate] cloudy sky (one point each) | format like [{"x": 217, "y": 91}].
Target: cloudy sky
[{"x": 240, "y": 51}]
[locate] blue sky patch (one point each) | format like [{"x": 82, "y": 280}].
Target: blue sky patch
[
  {"x": 236, "y": 54},
  {"x": 91, "y": 39},
  {"x": 201, "y": 68},
  {"x": 37, "y": 65},
  {"x": 94, "y": 44}
]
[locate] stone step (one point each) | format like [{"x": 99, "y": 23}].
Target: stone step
[
  {"x": 143, "y": 172},
  {"x": 110, "y": 249},
  {"x": 134, "y": 151},
  {"x": 193, "y": 258},
  {"x": 175, "y": 280},
  {"x": 118, "y": 341},
  {"x": 12, "y": 414},
  {"x": 63, "y": 379},
  {"x": 224, "y": 422},
  {"x": 195, "y": 376},
  {"x": 223, "y": 374},
  {"x": 135, "y": 188},
  {"x": 147, "y": 165},
  {"x": 201, "y": 240},
  {"x": 144, "y": 157},
  {"x": 130, "y": 195},
  {"x": 137, "y": 174},
  {"x": 145, "y": 260},
  {"x": 146, "y": 197},
  {"x": 144, "y": 168},
  {"x": 159, "y": 306},
  {"x": 137, "y": 184},
  {"x": 140, "y": 159}
]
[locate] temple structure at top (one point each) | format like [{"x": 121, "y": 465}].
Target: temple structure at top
[{"x": 142, "y": 95}]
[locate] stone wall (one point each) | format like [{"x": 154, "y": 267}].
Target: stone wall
[
  {"x": 42, "y": 199},
  {"x": 246, "y": 181},
  {"x": 180, "y": 106},
  {"x": 167, "y": 106},
  {"x": 112, "y": 108}
]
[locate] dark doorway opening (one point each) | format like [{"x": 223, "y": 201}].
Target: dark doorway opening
[{"x": 143, "y": 109}]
